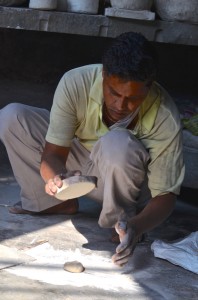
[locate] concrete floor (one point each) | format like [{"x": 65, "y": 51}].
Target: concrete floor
[
  {"x": 26, "y": 274},
  {"x": 80, "y": 237}
]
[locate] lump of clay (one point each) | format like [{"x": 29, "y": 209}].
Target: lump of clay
[{"x": 74, "y": 267}]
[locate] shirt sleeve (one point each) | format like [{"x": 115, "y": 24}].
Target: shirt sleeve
[
  {"x": 166, "y": 167},
  {"x": 64, "y": 116}
]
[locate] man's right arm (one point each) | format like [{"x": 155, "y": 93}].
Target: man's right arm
[{"x": 53, "y": 162}]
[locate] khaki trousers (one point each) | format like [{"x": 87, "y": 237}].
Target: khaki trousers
[{"x": 118, "y": 160}]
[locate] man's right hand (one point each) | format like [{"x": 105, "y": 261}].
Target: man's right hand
[{"x": 56, "y": 182}]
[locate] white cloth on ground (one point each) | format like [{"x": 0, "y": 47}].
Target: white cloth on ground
[{"x": 183, "y": 253}]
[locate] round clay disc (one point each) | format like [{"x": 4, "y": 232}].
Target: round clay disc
[{"x": 76, "y": 186}]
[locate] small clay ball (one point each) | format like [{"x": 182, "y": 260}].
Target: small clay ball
[{"x": 74, "y": 267}]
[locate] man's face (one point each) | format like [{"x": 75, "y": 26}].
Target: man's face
[{"x": 122, "y": 97}]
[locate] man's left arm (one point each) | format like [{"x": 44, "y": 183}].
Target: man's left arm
[
  {"x": 165, "y": 176},
  {"x": 155, "y": 212}
]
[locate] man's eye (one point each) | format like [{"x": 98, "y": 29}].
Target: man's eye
[{"x": 115, "y": 94}]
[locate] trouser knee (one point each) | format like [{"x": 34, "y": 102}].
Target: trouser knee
[
  {"x": 119, "y": 147},
  {"x": 10, "y": 117}
]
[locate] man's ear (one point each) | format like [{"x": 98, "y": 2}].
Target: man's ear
[
  {"x": 103, "y": 72},
  {"x": 149, "y": 83}
]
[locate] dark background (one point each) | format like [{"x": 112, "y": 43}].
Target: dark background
[{"x": 42, "y": 58}]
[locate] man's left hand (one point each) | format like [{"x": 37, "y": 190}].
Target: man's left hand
[{"x": 128, "y": 240}]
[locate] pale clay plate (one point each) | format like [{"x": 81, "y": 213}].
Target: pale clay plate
[{"x": 76, "y": 186}]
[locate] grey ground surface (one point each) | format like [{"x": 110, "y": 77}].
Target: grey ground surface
[{"x": 145, "y": 277}]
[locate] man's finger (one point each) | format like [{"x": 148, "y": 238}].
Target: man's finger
[
  {"x": 58, "y": 181},
  {"x": 124, "y": 243},
  {"x": 123, "y": 257},
  {"x": 126, "y": 252},
  {"x": 73, "y": 173},
  {"x": 122, "y": 261},
  {"x": 50, "y": 187}
]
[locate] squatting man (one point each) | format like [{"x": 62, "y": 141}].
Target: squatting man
[{"x": 109, "y": 120}]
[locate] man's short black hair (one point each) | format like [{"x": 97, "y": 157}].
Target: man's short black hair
[{"x": 130, "y": 57}]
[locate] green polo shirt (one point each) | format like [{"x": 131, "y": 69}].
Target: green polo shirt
[{"x": 77, "y": 112}]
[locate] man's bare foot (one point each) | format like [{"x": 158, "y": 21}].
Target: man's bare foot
[{"x": 68, "y": 207}]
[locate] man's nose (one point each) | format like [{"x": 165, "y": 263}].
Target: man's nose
[{"x": 121, "y": 104}]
